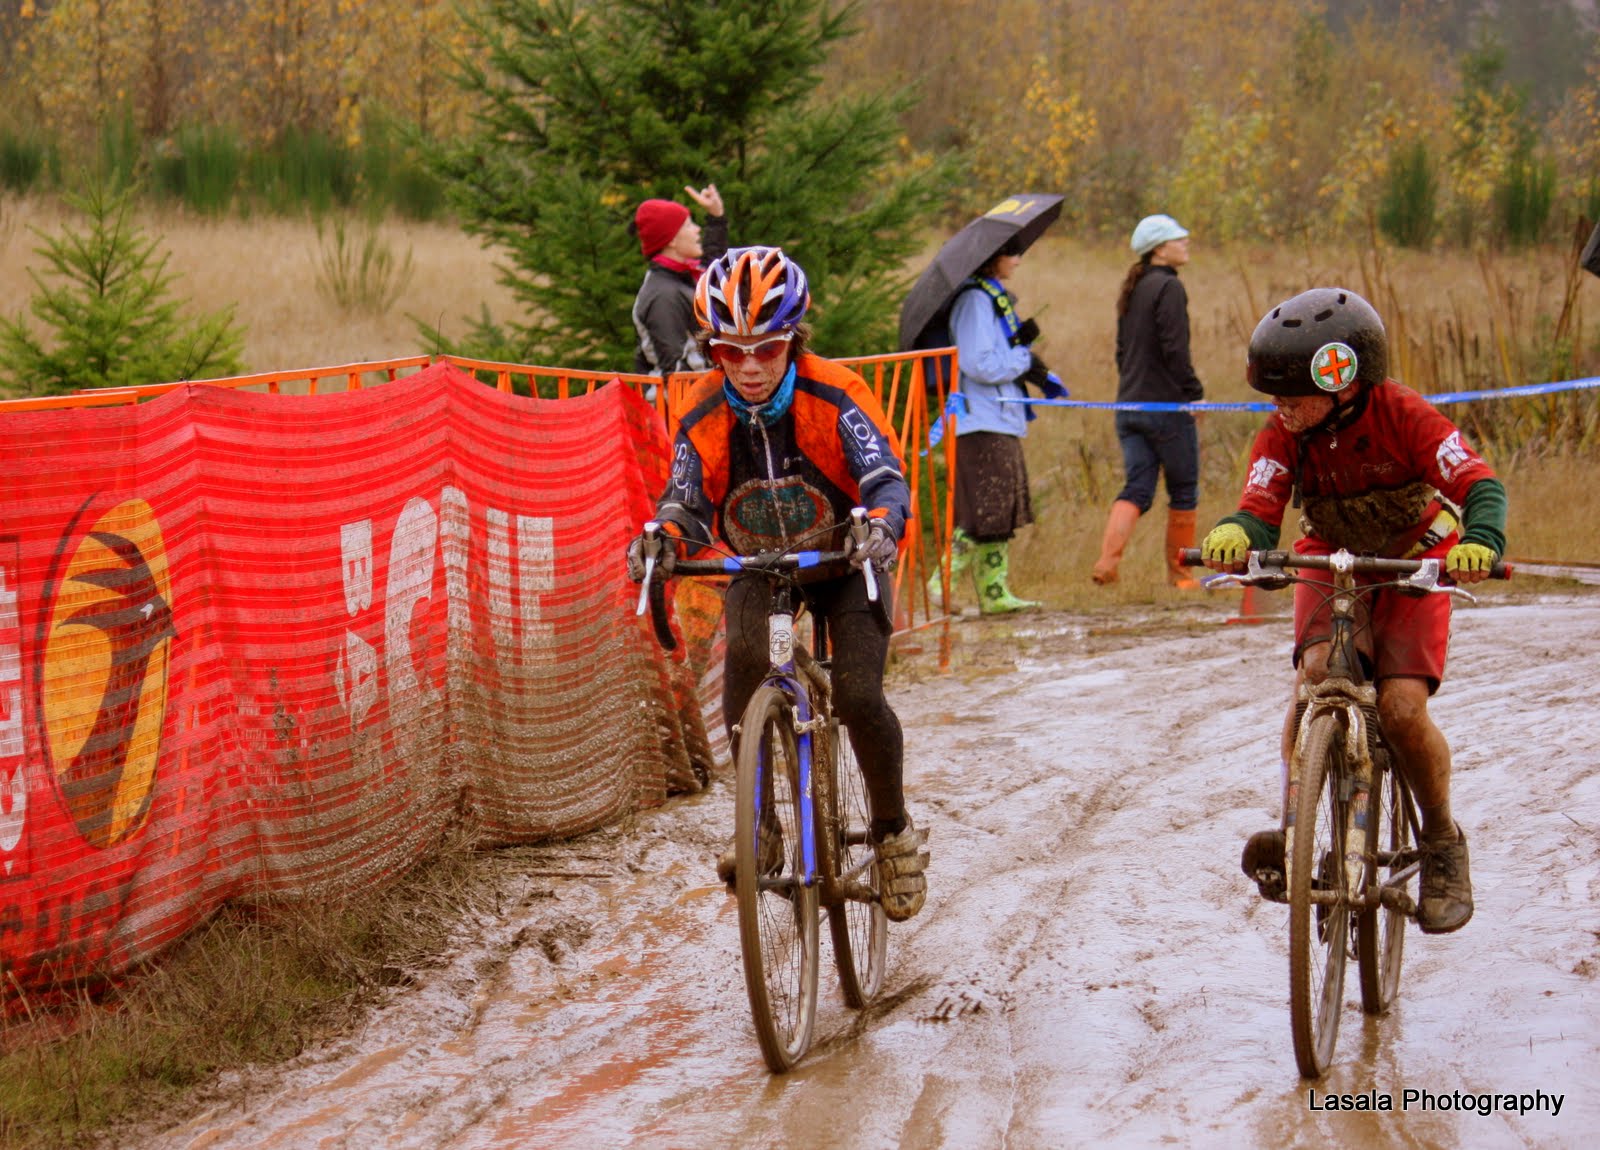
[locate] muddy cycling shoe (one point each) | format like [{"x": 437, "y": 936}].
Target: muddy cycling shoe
[
  {"x": 1262, "y": 861},
  {"x": 1446, "y": 895},
  {"x": 902, "y": 886}
]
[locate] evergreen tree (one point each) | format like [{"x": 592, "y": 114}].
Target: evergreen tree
[
  {"x": 590, "y": 108},
  {"x": 113, "y": 325}
]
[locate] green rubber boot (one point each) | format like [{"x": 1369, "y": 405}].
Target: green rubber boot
[
  {"x": 961, "y": 550},
  {"x": 994, "y": 596}
]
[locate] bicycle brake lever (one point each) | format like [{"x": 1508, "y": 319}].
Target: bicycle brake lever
[
  {"x": 651, "y": 549},
  {"x": 1428, "y": 578},
  {"x": 1268, "y": 577},
  {"x": 860, "y": 531}
]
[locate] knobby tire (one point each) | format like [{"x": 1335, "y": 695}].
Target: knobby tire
[
  {"x": 1318, "y": 942},
  {"x": 860, "y": 929},
  {"x": 778, "y": 915},
  {"x": 1381, "y": 931}
]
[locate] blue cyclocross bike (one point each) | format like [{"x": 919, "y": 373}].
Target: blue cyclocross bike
[{"x": 801, "y": 841}]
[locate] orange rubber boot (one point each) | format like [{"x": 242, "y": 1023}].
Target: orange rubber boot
[
  {"x": 1119, "y": 527},
  {"x": 1180, "y": 534}
]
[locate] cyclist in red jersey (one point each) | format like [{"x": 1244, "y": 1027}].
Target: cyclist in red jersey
[
  {"x": 773, "y": 445},
  {"x": 1375, "y": 469}
]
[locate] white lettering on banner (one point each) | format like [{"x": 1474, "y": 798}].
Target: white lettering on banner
[
  {"x": 13, "y": 784},
  {"x": 455, "y": 534},
  {"x": 423, "y": 539},
  {"x": 412, "y": 553},
  {"x": 356, "y": 676},
  {"x": 500, "y": 586},
  {"x": 355, "y": 549},
  {"x": 536, "y": 571}
]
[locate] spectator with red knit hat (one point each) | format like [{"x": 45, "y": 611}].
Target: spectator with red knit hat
[{"x": 663, "y": 311}]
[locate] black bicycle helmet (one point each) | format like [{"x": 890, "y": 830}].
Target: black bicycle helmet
[{"x": 1318, "y": 343}]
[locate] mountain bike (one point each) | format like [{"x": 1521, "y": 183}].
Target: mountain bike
[
  {"x": 801, "y": 833},
  {"x": 1350, "y": 821}
]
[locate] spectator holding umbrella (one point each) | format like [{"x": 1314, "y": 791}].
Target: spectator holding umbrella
[
  {"x": 965, "y": 288},
  {"x": 1153, "y": 366}
]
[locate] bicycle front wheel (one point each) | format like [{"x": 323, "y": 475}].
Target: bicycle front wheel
[
  {"x": 860, "y": 928},
  {"x": 1381, "y": 931},
  {"x": 1319, "y": 900},
  {"x": 778, "y": 917}
]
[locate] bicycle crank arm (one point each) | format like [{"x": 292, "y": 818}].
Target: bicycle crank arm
[{"x": 1396, "y": 898}]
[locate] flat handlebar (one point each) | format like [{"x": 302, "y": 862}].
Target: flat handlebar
[
  {"x": 653, "y": 596},
  {"x": 773, "y": 561},
  {"x": 1360, "y": 564}
]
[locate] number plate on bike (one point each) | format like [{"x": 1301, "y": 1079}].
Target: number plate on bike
[{"x": 780, "y": 639}]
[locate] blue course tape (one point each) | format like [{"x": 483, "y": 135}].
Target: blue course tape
[{"x": 1436, "y": 400}]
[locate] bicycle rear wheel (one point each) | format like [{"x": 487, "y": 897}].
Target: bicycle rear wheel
[
  {"x": 1318, "y": 930},
  {"x": 778, "y": 918},
  {"x": 1381, "y": 931},
  {"x": 860, "y": 929}
]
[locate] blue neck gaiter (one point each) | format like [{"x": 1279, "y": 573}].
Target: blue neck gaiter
[{"x": 768, "y": 413}]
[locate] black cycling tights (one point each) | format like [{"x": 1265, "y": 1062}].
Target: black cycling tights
[{"x": 860, "y": 650}]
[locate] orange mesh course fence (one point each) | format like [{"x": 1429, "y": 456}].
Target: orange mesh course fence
[{"x": 259, "y": 646}]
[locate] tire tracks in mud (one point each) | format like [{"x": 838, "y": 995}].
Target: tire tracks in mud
[{"x": 1091, "y": 967}]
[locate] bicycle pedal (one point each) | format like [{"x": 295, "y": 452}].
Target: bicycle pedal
[{"x": 1271, "y": 886}]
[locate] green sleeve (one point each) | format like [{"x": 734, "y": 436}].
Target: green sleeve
[
  {"x": 1483, "y": 514},
  {"x": 1263, "y": 535}
]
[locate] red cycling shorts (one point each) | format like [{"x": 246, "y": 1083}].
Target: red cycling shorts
[{"x": 1397, "y": 634}]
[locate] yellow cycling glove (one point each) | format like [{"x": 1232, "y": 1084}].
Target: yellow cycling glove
[
  {"x": 1469, "y": 558},
  {"x": 1227, "y": 545}
]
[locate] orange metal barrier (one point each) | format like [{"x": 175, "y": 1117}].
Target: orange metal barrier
[
  {"x": 271, "y": 381},
  {"x": 565, "y": 382}
]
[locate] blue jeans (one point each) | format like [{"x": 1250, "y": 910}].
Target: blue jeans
[{"x": 1160, "y": 441}]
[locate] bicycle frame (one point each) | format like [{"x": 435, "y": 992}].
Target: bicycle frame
[
  {"x": 784, "y": 672},
  {"x": 785, "y": 675},
  {"x": 1339, "y": 803},
  {"x": 1346, "y": 692}
]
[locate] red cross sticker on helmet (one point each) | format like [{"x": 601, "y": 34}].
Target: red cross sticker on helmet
[{"x": 1333, "y": 368}]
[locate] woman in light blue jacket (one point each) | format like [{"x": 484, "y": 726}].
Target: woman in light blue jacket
[{"x": 992, "y": 500}]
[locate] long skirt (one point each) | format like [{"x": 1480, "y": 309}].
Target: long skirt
[{"x": 991, "y": 486}]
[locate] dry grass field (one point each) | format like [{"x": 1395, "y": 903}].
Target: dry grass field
[{"x": 268, "y": 269}]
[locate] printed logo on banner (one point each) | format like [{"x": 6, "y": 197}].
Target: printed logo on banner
[
  {"x": 105, "y": 659},
  {"x": 13, "y": 779}
]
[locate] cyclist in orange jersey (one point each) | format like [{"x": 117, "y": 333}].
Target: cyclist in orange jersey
[{"x": 777, "y": 445}]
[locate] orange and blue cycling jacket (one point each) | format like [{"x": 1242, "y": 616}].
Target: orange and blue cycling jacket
[{"x": 764, "y": 487}]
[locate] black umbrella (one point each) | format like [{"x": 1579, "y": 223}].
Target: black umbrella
[
  {"x": 1591, "y": 253},
  {"x": 1023, "y": 217}
]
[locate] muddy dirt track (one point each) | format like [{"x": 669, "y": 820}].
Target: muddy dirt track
[{"x": 1091, "y": 968}]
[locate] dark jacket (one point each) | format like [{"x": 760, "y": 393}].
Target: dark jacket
[
  {"x": 1153, "y": 343},
  {"x": 663, "y": 311},
  {"x": 760, "y": 488}
]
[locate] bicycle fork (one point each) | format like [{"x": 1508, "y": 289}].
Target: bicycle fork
[
  {"x": 1355, "y": 797},
  {"x": 780, "y": 648}
]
